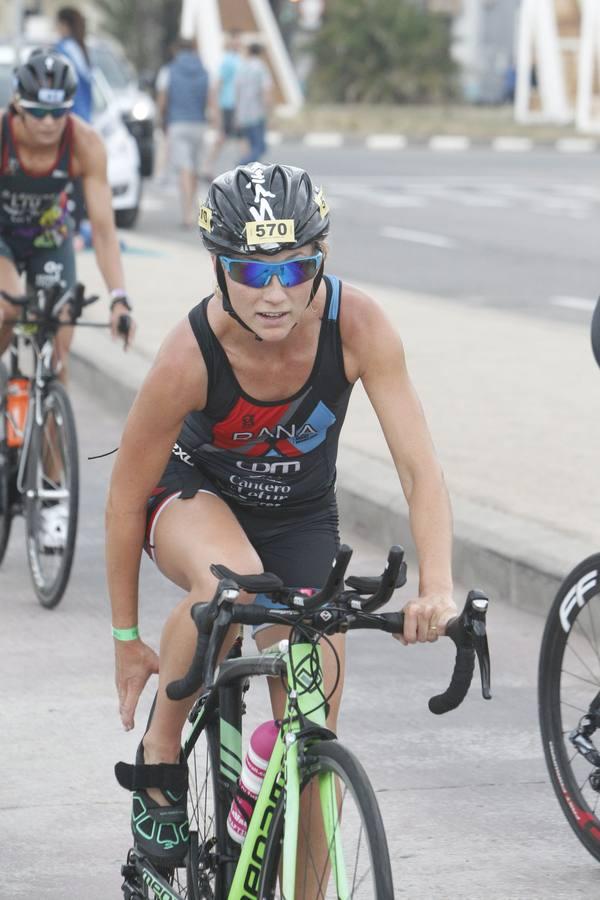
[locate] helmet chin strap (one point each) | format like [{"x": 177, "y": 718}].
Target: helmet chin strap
[{"x": 228, "y": 307}]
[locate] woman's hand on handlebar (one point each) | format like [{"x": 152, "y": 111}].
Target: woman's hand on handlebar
[
  {"x": 425, "y": 618},
  {"x": 135, "y": 662},
  {"x": 122, "y": 325}
]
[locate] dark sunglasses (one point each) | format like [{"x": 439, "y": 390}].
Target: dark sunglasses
[
  {"x": 40, "y": 112},
  {"x": 255, "y": 274}
]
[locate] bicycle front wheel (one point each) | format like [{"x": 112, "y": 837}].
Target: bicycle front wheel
[
  {"x": 342, "y": 852},
  {"x": 203, "y": 872},
  {"x": 52, "y": 496},
  {"x": 569, "y": 700}
]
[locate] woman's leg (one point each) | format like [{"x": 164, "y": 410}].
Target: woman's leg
[
  {"x": 189, "y": 536},
  {"x": 10, "y": 282}
]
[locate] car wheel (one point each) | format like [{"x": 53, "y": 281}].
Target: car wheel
[{"x": 126, "y": 218}]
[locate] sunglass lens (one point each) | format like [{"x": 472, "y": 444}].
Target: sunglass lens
[
  {"x": 298, "y": 271},
  {"x": 39, "y": 112},
  {"x": 250, "y": 274}
]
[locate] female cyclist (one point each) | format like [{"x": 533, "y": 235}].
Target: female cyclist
[{"x": 228, "y": 454}]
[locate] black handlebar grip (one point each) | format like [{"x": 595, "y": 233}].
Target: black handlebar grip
[
  {"x": 192, "y": 680},
  {"x": 459, "y": 685},
  {"x": 393, "y": 622},
  {"x": 124, "y": 325}
]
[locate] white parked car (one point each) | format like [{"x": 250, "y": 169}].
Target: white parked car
[{"x": 122, "y": 150}]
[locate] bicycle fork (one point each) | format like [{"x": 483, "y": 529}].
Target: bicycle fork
[{"x": 581, "y": 739}]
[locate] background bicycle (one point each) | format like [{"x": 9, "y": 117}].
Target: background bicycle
[
  {"x": 316, "y": 807},
  {"x": 569, "y": 699},
  {"x": 39, "y": 470}
]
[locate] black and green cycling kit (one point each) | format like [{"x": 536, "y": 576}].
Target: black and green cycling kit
[
  {"x": 272, "y": 462},
  {"x": 35, "y": 224}
]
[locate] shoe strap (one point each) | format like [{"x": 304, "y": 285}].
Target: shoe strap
[{"x": 164, "y": 776}]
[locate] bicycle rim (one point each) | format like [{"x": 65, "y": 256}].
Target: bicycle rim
[
  {"x": 5, "y": 471},
  {"x": 569, "y": 680},
  {"x": 203, "y": 878},
  {"x": 52, "y": 478},
  {"x": 349, "y": 858}
]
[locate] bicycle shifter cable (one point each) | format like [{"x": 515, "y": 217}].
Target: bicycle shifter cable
[{"x": 102, "y": 455}]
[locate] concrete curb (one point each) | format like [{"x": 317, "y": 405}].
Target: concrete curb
[
  {"x": 499, "y": 553},
  {"x": 440, "y": 143}
]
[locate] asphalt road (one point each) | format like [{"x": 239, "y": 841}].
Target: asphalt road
[
  {"x": 466, "y": 800},
  {"x": 510, "y": 230}
]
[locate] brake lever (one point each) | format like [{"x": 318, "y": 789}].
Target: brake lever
[{"x": 468, "y": 632}]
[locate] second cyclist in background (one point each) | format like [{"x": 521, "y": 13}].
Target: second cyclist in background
[{"x": 43, "y": 147}]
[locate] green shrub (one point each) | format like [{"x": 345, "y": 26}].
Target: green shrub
[{"x": 381, "y": 51}]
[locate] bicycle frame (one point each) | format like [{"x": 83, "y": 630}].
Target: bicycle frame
[
  {"x": 40, "y": 337},
  {"x": 43, "y": 373},
  {"x": 241, "y": 869}
]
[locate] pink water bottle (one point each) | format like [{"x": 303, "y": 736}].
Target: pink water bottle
[{"x": 262, "y": 741}]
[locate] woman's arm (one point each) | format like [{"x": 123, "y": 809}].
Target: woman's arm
[
  {"x": 380, "y": 363},
  {"x": 175, "y": 385}
]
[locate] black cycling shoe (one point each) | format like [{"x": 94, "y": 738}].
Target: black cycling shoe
[{"x": 160, "y": 832}]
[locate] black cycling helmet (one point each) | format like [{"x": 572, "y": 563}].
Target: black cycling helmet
[
  {"x": 45, "y": 79},
  {"x": 256, "y": 193},
  {"x": 262, "y": 209}
]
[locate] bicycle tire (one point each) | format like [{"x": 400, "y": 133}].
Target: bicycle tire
[
  {"x": 5, "y": 469},
  {"x": 568, "y": 680},
  {"x": 204, "y": 881},
  {"x": 50, "y": 571},
  {"x": 332, "y": 757}
]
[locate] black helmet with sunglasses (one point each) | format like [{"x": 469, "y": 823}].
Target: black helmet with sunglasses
[
  {"x": 45, "y": 80},
  {"x": 262, "y": 209}
]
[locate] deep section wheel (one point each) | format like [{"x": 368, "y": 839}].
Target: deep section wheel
[{"x": 569, "y": 700}]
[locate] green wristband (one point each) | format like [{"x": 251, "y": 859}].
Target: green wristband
[{"x": 126, "y": 634}]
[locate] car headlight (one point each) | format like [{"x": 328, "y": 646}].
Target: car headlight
[{"x": 140, "y": 110}]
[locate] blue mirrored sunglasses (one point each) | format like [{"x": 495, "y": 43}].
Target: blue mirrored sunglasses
[
  {"x": 255, "y": 274},
  {"x": 40, "y": 112}
]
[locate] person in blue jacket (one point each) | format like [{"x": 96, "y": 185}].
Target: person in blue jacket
[
  {"x": 182, "y": 93},
  {"x": 71, "y": 27}
]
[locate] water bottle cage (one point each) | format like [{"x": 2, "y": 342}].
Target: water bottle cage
[{"x": 242, "y": 793}]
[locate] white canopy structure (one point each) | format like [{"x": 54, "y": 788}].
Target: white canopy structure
[
  {"x": 588, "y": 102},
  {"x": 538, "y": 50},
  {"x": 202, "y": 19}
]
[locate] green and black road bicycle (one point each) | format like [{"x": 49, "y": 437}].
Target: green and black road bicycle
[
  {"x": 39, "y": 473},
  {"x": 311, "y": 778},
  {"x": 569, "y": 699}
]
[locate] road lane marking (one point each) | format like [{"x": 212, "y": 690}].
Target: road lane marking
[
  {"x": 323, "y": 139},
  {"x": 583, "y": 303},
  {"x": 417, "y": 237},
  {"x": 449, "y": 143},
  {"x": 512, "y": 144},
  {"x": 386, "y": 142},
  {"x": 576, "y": 145}
]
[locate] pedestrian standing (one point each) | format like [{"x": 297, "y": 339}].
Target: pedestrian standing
[
  {"x": 71, "y": 27},
  {"x": 182, "y": 91},
  {"x": 224, "y": 100},
  {"x": 254, "y": 90}
]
